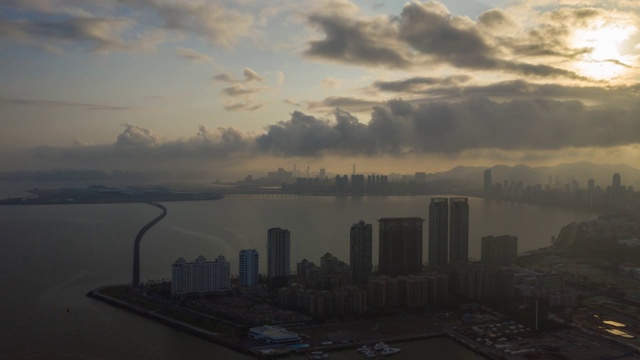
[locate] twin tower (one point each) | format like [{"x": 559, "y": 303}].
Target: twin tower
[{"x": 400, "y": 239}]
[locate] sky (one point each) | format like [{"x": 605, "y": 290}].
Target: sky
[{"x": 236, "y": 87}]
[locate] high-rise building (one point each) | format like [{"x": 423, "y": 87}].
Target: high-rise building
[
  {"x": 221, "y": 274},
  {"x": 278, "y": 256},
  {"x": 459, "y": 230},
  {"x": 249, "y": 267},
  {"x": 400, "y": 246},
  {"x": 616, "y": 181},
  {"x": 360, "y": 250},
  {"x": 499, "y": 251},
  {"x": 488, "y": 185},
  {"x": 438, "y": 231},
  {"x": 199, "y": 276}
]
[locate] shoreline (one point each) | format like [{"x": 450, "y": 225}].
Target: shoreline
[
  {"x": 165, "y": 320},
  {"x": 218, "y": 339}
]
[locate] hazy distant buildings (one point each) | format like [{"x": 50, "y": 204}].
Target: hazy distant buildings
[
  {"x": 438, "y": 231},
  {"x": 360, "y": 250},
  {"x": 357, "y": 184},
  {"x": 278, "y": 256},
  {"x": 499, "y": 251},
  {"x": 249, "y": 267},
  {"x": 488, "y": 185},
  {"x": 200, "y": 276},
  {"x": 616, "y": 183},
  {"x": 459, "y": 230},
  {"x": 400, "y": 246}
]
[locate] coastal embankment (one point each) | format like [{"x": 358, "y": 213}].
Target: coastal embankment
[{"x": 164, "y": 319}]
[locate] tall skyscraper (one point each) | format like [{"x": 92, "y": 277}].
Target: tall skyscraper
[
  {"x": 616, "y": 181},
  {"x": 459, "y": 230},
  {"x": 488, "y": 185},
  {"x": 278, "y": 256},
  {"x": 249, "y": 267},
  {"x": 499, "y": 251},
  {"x": 400, "y": 246},
  {"x": 438, "y": 231},
  {"x": 360, "y": 250}
]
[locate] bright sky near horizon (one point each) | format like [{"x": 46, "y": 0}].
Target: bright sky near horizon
[{"x": 253, "y": 84}]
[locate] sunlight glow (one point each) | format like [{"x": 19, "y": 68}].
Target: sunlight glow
[{"x": 604, "y": 39}]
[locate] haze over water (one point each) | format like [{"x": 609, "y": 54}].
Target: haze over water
[{"x": 53, "y": 255}]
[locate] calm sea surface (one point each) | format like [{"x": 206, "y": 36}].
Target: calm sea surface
[{"x": 52, "y": 255}]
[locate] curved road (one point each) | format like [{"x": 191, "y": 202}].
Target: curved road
[{"x": 136, "y": 246}]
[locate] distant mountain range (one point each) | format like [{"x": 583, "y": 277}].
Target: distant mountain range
[{"x": 565, "y": 173}]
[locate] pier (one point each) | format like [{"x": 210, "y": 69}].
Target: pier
[{"x": 136, "y": 246}]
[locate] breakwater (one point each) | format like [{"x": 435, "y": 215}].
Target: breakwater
[{"x": 136, "y": 246}]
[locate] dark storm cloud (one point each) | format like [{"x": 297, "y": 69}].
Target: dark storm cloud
[
  {"x": 426, "y": 33},
  {"x": 368, "y": 42},
  {"x": 305, "y": 135},
  {"x": 440, "y": 127},
  {"x": 395, "y": 128}
]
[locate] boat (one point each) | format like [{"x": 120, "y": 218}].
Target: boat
[
  {"x": 389, "y": 351},
  {"x": 319, "y": 355},
  {"x": 380, "y": 346}
]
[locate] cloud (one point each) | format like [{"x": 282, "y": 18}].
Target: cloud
[
  {"x": 193, "y": 55},
  {"x": 97, "y": 34},
  {"x": 240, "y": 96},
  {"x": 399, "y": 127},
  {"x": 121, "y": 25},
  {"x": 417, "y": 84},
  {"x": 88, "y": 106},
  {"x": 137, "y": 137},
  {"x": 238, "y": 90},
  {"x": 331, "y": 83},
  {"x": 427, "y": 34},
  {"x": 252, "y": 75},
  {"x": 395, "y": 129},
  {"x": 344, "y": 102},
  {"x": 354, "y": 41},
  {"x": 224, "y": 78},
  {"x": 248, "y": 105},
  {"x": 291, "y": 102},
  {"x": 214, "y": 22}
]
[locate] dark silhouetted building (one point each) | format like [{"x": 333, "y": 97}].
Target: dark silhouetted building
[
  {"x": 248, "y": 269},
  {"x": 278, "y": 256},
  {"x": 438, "y": 231},
  {"x": 360, "y": 250},
  {"x": 499, "y": 251},
  {"x": 400, "y": 246},
  {"x": 459, "y": 230}
]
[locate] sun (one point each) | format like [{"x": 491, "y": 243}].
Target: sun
[{"x": 603, "y": 61}]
